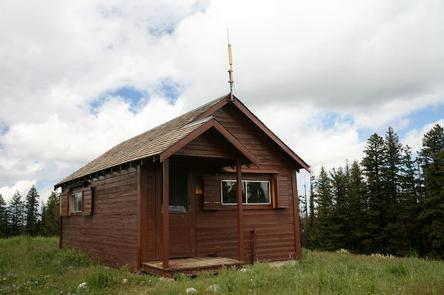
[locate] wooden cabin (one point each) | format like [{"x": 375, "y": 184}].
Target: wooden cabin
[{"x": 167, "y": 200}]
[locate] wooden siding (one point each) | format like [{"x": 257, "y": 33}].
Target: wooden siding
[
  {"x": 215, "y": 232},
  {"x": 274, "y": 228},
  {"x": 126, "y": 224},
  {"x": 210, "y": 144},
  {"x": 110, "y": 234}
]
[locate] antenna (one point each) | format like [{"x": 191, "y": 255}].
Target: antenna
[{"x": 230, "y": 68}]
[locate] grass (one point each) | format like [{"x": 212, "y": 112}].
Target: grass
[{"x": 36, "y": 266}]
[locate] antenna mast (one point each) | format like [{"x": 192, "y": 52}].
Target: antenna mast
[{"x": 230, "y": 68}]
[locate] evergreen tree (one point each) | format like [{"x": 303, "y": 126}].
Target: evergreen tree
[
  {"x": 373, "y": 165},
  {"x": 4, "y": 227},
  {"x": 50, "y": 216},
  {"x": 32, "y": 214},
  {"x": 393, "y": 231},
  {"x": 408, "y": 207},
  {"x": 357, "y": 207},
  {"x": 322, "y": 234},
  {"x": 394, "y": 204},
  {"x": 339, "y": 216},
  {"x": 16, "y": 211},
  {"x": 431, "y": 217}
]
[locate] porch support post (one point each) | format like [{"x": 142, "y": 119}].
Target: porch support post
[
  {"x": 240, "y": 230},
  {"x": 165, "y": 213}
]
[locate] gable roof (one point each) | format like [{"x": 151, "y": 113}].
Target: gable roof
[{"x": 160, "y": 140}]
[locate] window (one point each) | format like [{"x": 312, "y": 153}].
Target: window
[
  {"x": 258, "y": 192},
  {"x": 77, "y": 202},
  {"x": 253, "y": 192},
  {"x": 229, "y": 188},
  {"x": 178, "y": 190}
]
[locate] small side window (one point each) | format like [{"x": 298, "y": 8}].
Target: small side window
[{"x": 77, "y": 201}]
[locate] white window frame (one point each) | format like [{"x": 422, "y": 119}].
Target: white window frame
[
  {"x": 75, "y": 195},
  {"x": 246, "y": 192}
]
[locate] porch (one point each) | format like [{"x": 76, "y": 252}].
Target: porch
[{"x": 189, "y": 266}]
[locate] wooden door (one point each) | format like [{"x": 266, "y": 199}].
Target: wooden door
[{"x": 180, "y": 213}]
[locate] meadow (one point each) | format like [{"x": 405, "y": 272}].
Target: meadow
[{"x": 36, "y": 266}]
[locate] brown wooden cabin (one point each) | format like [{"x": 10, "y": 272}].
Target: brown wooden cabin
[{"x": 167, "y": 199}]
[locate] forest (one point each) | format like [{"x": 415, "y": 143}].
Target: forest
[
  {"x": 391, "y": 202},
  {"x": 28, "y": 217}
]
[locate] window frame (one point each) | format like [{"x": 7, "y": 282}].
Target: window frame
[
  {"x": 246, "y": 192},
  {"x": 74, "y": 195}
]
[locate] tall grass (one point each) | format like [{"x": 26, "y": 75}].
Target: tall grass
[{"x": 36, "y": 266}]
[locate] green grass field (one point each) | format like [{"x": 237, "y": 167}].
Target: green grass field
[{"x": 36, "y": 266}]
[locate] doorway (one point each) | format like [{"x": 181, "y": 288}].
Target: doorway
[{"x": 180, "y": 213}]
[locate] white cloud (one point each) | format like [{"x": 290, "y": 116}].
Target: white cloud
[
  {"x": 414, "y": 137},
  {"x": 374, "y": 61},
  {"x": 22, "y": 186}
]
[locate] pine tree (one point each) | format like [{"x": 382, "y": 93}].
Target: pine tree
[
  {"x": 4, "y": 226},
  {"x": 32, "y": 207},
  {"x": 408, "y": 206},
  {"x": 50, "y": 216},
  {"x": 393, "y": 232},
  {"x": 322, "y": 227},
  {"x": 431, "y": 217},
  {"x": 16, "y": 211},
  {"x": 339, "y": 215},
  {"x": 357, "y": 207},
  {"x": 373, "y": 165}
]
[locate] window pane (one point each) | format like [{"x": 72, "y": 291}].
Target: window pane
[
  {"x": 178, "y": 190},
  {"x": 77, "y": 201},
  {"x": 258, "y": 192},
  {"x": 229, "y": 188}
]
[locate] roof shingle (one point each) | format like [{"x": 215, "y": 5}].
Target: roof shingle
[{"x": 147, "y": 144}]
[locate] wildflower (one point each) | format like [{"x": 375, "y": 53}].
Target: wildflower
[
  {"x": 191, "y": 291},
  {"x": 243, "y": 269},
  {"x": 125, "y": 281},
  {"x": 83, "y": 285},
  {"x": 213, "y": 288}
]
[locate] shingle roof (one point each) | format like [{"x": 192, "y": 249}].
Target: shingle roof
[{"x": 147, "y": 144}]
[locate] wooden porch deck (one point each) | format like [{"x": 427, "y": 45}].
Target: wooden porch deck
[{"x": 190, "y": 266}]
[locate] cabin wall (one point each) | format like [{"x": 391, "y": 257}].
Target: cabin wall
[
  {"x": 110, "y": 234},
  {"x": 150, "y": 190},
  {"x": 209, "y": 144},
  {"x": 216, "y": 231}
]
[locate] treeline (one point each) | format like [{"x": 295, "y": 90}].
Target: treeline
[
  {"x": 23, "y": 217},
  {"x": 392, "y": 202}
]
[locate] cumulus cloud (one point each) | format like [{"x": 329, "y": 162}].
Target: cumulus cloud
[
  {"x": 414, "y": 137},
  {"x": 369, "y": 63},
  {"x": 21, "y": 186}
]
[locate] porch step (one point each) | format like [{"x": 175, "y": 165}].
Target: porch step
[{"x": 190, "y": 266}]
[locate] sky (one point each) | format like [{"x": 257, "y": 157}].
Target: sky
[{"x": 78, "y": 77}]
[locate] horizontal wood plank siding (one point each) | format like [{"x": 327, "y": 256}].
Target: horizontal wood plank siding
[
  {"x": 216, "y": 230},
  {"x": 209, "y": 144},
  {"x": 110, "y": 234}
]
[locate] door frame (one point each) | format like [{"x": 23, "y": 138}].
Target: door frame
[{"x": 191, "y": 210}]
